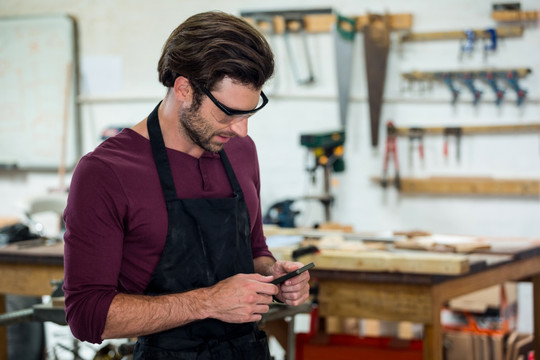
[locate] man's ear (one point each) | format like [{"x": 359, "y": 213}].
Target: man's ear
[{"x": 182, "y": 89}]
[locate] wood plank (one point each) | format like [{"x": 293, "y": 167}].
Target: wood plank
[
  {"x": 393, "y": 302},
  {"x": 407, "y": 261},
  {"x": 512, "y": 15}
]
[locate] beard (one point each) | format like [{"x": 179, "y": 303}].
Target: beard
[{"x": 199, "y": 130}]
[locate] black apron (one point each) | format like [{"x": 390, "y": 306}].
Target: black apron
[{"x": 208, "y": 240}]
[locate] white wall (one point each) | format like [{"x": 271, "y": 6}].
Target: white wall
[{"x": 128, "y": 36}]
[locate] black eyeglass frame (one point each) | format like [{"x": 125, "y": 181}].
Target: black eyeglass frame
[{"x": 227, "y": 110}]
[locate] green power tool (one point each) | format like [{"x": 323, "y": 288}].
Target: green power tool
[{"x": 327, "y": 147}]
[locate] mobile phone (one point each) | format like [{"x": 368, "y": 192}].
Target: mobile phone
[{"x": 292, "y": 274}]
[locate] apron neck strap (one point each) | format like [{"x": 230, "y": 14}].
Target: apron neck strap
[
  {"x": 160, "y": 155},
  {"x": 230, "y": 173}
]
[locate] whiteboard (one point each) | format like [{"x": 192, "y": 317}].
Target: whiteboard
[{"x": 38, "y": 84}]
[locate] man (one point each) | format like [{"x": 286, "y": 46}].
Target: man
[{"x": 163, "y": 225}]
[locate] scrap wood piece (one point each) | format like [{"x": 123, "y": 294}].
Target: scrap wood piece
[
  {"x": 449, "y": 243},
  {"x": 8, "y": 221},
  {"x": 385, "y": 261},
  {"x": 412, "y": 233}
]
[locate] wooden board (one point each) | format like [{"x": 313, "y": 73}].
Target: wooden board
[
  {"x": 386, "y": 261},
  {"x": 318, "y": 23}
]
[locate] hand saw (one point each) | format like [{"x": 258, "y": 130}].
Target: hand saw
[{"x": 344, "y": 32}]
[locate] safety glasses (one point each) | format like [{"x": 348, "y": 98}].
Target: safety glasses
[{"x": 233, "y": 114}]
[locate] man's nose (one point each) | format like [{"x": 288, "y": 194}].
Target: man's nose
[{"x": 240, "y": 127}]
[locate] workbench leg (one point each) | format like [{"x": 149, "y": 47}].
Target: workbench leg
[
  {"x": 3, "y": 330},
  {"x": 433, "y": 343},
  {"x": 536, "y": 314}
]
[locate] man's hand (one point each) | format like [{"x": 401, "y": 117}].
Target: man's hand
[
  {"x": 295, "y": 290},
  {"x": 240, "y": 298}
]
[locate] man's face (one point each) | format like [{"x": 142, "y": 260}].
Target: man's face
[{"x": 208, "y": 127}]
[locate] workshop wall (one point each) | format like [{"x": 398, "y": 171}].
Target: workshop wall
[{"x": 120, "y": 42}]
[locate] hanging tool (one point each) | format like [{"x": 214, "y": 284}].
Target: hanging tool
[
  {"x": 391, "y": 150},
  {"x": 491, "y": 80},
  {"x": 452, "y": 131},
  {"x": 449, "y": 81},
  {"x": 416, "y": 134},
  {"x": 490, "y": 47},
  {"x": 376, "y": 46},
  {"x": 344, "y": 33},
  {"x": 295, "y": 25},
  {"x": 467, "y": 47},
  {"x": 512, "y": 79},
  {"x": 490, "y": 76},
  {"x": 468, "y": 80}
]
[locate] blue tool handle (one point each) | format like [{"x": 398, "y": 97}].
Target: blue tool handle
[
  {"x": 492, "y": 45},
  {"x": 499, "y": 93},
  {"x": 512, "y": 79},
  {"x": 455, "y": 92},
  {"x": 477, "y": 94},
  {"x": 469, "y": 43}
]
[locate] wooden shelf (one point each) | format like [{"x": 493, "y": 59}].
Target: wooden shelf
[
  {"x": 486, "y": 129},
  {"x": 502, "y": 32},
  {"x": 275, "y": 22},
  {"x": 457, "y": 74},
  {"x": 469, "y": 186}
]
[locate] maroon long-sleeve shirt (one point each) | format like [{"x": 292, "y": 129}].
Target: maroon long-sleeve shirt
[{"x": 116, "y": 220}]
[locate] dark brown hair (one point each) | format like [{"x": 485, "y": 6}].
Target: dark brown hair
[{"x": 211, "y": 45}]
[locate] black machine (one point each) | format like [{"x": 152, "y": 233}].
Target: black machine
[{"x": 281, "y": 214}]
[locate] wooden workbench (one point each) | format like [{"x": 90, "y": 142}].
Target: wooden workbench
[
  {"x": 384, "y": 295},
  {"x": 28, "y": 270},
  {"x": 419, "y": 298}
]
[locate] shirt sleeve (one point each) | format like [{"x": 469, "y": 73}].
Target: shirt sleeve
[{"x": 93, "y": 247}]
